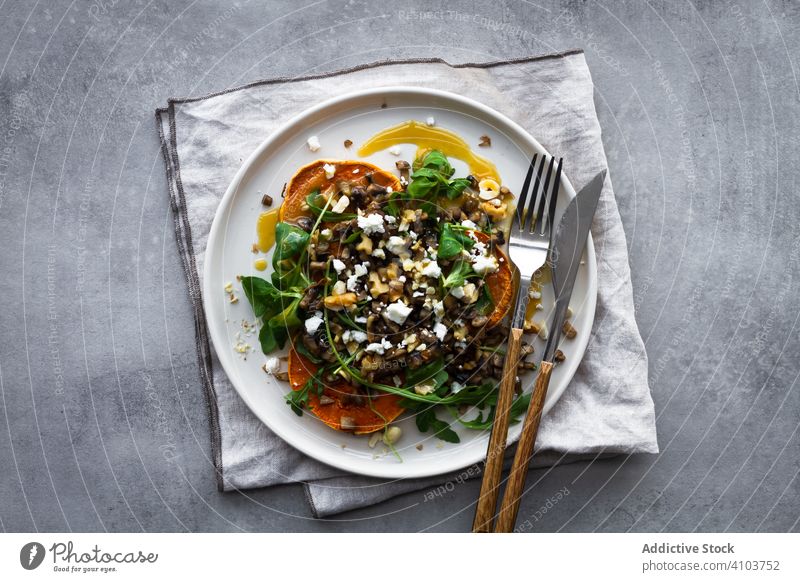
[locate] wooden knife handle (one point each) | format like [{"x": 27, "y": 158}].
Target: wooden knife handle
[
  {"x": 487, "y": 501},
  {"x": 509, "y": 507}
]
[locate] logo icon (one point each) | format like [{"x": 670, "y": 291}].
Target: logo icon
[{"x": 31, "y": 555}]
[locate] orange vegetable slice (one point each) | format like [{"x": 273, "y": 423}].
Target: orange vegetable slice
[
  {"x": 312, "y": 177},
  {"x": 373, "y": 414},
  {"x": 500, "y": 283}
]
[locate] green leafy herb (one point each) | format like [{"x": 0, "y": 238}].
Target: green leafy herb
[
  {"x": 426, "y": 420},
  {"x": 459, "y": 274},
  {"x": 452, "y": 241},
  {"x": 485, "y": 303}
]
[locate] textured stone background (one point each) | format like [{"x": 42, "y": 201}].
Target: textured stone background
[{"x": 103, "y": 425}]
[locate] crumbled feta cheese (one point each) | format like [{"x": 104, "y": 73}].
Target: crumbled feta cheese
[
  {"x": 438, "y": 309},
  {"x": 440, "y": 330},
  {"x": 456, "y": 387},
  {"x": 418, "y": 294},
  {"x": 379, "y": 253},
  {"x": 338, "y": 265},
  {"x": 468, "y": 224},
  {"x": 339, "y": 288},
  {"x": 326, "y": 233},
  {"x": 457, "y": 292},
  {"x": 402, "y": 278},
  {"x": 394, "y": 150},
  {"x": 432, "y": 269},
  {"x": 389, "y": 190},
  {"x": 484, "y": 264},
  {"x": 379, "y": 348},
  {"x": 360, "y": 319},
  {"x": 371, "y": 223},
  {"x": 341, "y": 204},
  {"x": 421, "y": 347},
  {"x": 354, "y": 336},
  {"x": 356, "y": 171},
  {"x": 360, "y": 270},
  {"x": 313, "y": 323},
  {"x": 330, "y": 170},
  {"x": 397, "y": 312},
  {"x": 430, "y": 122},
  {"x": 313, "y": 143},
  {"x": 272, "y": 366},
  {"x": 397, "y": 245},
  {"x": 423, "y": 389},
  {"x": 390, "y": 219}
]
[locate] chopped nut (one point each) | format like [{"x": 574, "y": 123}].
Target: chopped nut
[
  {"x": 365, "y": 244},
  {"x": 325, "y": 400},
  {"x": 569, "y": 330},
  {"x": 376, "y": 286},
  {"x": 266, "y": 200},
  {"x": 496, "y": 212},
  {"x": 348, "y": 143},
  {"x": 338, "y": 301},
  {"x": 254, "y": 248},
  {"x": 559, "y": 356},
  {"x": 485, "y": 142},
  {"x": 347, "y": 423}
]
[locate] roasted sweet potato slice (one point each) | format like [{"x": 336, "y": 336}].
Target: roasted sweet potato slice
[
  {"x": 500, "y": 283},
  {"x": 312, "y": 177},
  {"x": 364, "y": 415}
]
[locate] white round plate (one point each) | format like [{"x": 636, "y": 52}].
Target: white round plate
[{"x": 357, "y": 117}]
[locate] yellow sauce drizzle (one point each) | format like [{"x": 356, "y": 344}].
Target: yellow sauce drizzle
[
  {"x": 541, "y": 278},
  {"x": 430, "y": 138},
  {"x": 265, "y": 227},
  {"x": 260, "y": 264}
]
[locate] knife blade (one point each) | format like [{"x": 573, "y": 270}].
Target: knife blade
[{"x": 569, "y": 242}]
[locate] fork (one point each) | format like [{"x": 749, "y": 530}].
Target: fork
[{"x": 528, "y": 246}]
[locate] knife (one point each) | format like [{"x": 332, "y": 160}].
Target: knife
[{"x": 565, "y": 256}]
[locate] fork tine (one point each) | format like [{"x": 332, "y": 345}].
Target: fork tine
[
  {"x": 542, "y": 206},
  {"x": 532, "y": 218},
  {"x": 519, "y": 215},
  {"x": 551, "y": 210}
]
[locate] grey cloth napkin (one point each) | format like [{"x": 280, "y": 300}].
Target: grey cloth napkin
[{"x": 607, "y": 407}]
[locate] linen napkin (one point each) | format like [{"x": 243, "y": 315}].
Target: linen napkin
[{"x": 607, "y": 408}]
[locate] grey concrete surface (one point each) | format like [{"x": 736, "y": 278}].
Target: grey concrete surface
[{"x": 102, "y": 421}]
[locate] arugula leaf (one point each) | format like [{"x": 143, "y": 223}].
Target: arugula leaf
[
  {"x": 452, "y": 241},
  {"x": 426, "y": 420},
  {"x": 518, "y": 408},
  {"x": 458, "y": 275},
  {"x": 425, "y": 183}
]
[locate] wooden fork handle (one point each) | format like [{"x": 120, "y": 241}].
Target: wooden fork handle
[
  {"x": 509, "y": 507},
  {"x": 487, "y": 501}
]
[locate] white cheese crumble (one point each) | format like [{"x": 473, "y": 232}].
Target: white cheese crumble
[
  {"x": 272, "y": 366},
  {"x": 330, "y": 170},
  {"x": 469, "y": 224},
  {"x": 438, "y": 309},
  {"x": 313, "y": 143},
  {"x": 354, "y": 336},
  {"x": 440, "y": 330},
  {"x": 430, "y": 122},
  {"x": 457, "y": 292},
  {"x": 341, "y": 204},
  {"x": 390, "y": 219},
  {"x": 371, "y": 223},
  {"x": 313, "y": 322},
  {"x": 397, "y": 312},
  {"x": 397, "y": 245},
  {"x": 338, "y": 265},
  {"x": 379, "y": 348},
  {"x": 339, "y": 288},
  {"x": 484, "y": 264},
  {"x": 379, "y": 253},
  {"x": 432, "y": 269},
  {"x": 394, "y": 150}
]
